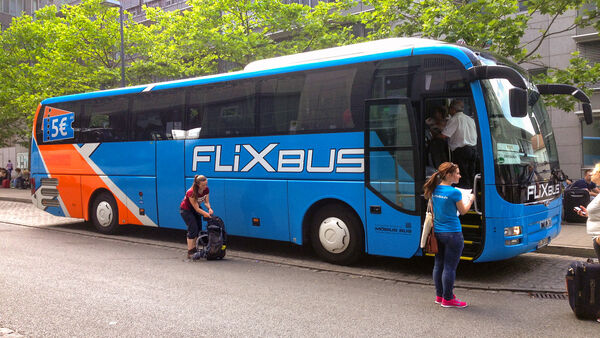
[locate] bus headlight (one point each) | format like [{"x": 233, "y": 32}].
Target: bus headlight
[{"x": 512, "y": 231}]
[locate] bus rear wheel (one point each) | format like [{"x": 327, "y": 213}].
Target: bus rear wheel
[
  {"x": 336, "y": 235},
  {"x": 105, "y": 214}
]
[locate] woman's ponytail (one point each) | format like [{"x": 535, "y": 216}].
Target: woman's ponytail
[
  {"x": 431, "y": 184},
  {"x": 435, "y": 179}
]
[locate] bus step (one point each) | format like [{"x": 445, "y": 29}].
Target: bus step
[
  {"x": 470, "y": 226},
  {"x": 471, "y": 242},
  {"x": 464, "y": 258}
]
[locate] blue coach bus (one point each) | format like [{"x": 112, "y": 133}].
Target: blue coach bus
[{"x": 328, "y": 147}]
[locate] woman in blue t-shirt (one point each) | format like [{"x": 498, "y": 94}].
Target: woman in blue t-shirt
[{"x": 447, "y": 200}]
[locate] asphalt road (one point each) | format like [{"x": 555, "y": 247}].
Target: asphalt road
[{"x": 65, "y": 280}]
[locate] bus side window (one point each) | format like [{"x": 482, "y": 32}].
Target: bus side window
[
  {"x": 104, "y": 120},
  {"x": 279, "y": 100},
  {"x": 326, "y": 100},
  {"x": 228, "y": 110},
  {"x": 156, "y": 114}
]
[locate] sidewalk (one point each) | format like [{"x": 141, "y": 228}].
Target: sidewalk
[
  {"x": 573, "y": 239},
  {"x": 16, "y": 195}
]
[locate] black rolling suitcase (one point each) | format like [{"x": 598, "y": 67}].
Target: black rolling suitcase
[
  {"x": 583, "y": 286},
  {"x": 574, "y": 198}
]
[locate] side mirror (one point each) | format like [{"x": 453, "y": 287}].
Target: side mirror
[
  {"x": 518, "y": 102},
  {"x": 564, "y": 89},
  {"x": 587, "y": 113}
]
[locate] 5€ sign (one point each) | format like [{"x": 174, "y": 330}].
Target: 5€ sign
[{"x": 58, "y": 124}]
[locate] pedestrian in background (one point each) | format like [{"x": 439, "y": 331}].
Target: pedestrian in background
[
  {"x": 3, "y": 176},
  {"x": 17, "y": 181},
  {"x": 592, "y": 212},
  {"x": 446, "y": 201},
  {"x": 587, "y": 183},
  {"x": 191, "y": 211},
  {"x": 9, "y": 167}
]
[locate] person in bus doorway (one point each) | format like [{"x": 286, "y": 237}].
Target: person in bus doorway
[
  {"x": 191, "y": 211},
  {"x": 592, "y": 212},
  {"x": 446, "y": 201},
  {"x": 438, "y": 148},
  {"x": 461, "y": 133}
]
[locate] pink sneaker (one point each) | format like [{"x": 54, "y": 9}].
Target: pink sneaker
[
  {"x": 438, "y": 299},
  {"x": 453, "y": 303}
]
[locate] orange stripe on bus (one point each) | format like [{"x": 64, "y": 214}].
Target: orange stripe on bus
[
  {"x": 64, "y": 159},
  {"x": 35, "y": 118}
]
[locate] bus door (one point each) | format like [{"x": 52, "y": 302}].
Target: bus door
[{"x": 393, "y": 216}]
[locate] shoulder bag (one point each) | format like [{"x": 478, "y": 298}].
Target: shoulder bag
[{"x": 427, "y": 225}]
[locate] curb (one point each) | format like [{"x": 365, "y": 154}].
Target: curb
[
  {"x": 15, "y": 199},
  {"x": 568, "y": 251}
]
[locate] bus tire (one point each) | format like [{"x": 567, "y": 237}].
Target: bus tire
[
  {"x": 105, "y": 214},
  {"x": 336, "y": 235}
]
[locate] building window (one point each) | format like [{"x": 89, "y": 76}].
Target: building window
[
  {"x": 590, "y": 50},
  {"x": 591, "y": 143}
]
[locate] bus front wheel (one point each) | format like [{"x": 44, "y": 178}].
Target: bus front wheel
[
  {"x": 105, "y": 214},
  {"x": 336, "y": 235}
]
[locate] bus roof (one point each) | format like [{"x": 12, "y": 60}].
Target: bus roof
[
  {"x": 296, "y": 62},
  {"x": 342, "y": 52}
]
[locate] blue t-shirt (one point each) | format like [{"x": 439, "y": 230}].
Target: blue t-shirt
[
  {"x": 583, "y": 184},
  {"x": 444, "y": 209}
]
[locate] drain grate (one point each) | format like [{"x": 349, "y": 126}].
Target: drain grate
[{"x": 548, "y": 295}]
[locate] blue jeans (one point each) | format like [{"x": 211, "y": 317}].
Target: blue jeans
[{"x": 450, "y": 246}]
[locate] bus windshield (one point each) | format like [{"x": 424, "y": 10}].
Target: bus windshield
[{"x": 524, "y": 148}]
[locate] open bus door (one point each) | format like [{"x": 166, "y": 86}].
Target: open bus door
[{"x": 393, "y": 215}]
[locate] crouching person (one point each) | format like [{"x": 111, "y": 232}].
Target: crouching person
[{"x": 191, "y": 212}]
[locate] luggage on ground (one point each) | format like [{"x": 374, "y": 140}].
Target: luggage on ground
[
  {"x": 574, "y": 198},
  {"x": 212, "y": 243},
  {"x": 583, "y": 287}
]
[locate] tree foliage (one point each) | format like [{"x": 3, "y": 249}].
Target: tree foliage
[
  {"x": 222, "y": 35},
  {"x": 56, "y": 53}
]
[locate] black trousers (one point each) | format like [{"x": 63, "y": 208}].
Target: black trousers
[{"x": 466, "y": 158}]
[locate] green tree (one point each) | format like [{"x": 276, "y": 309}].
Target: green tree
[
  {"x": 221, "y": 35},
  {"x": 57, "y": 53}
]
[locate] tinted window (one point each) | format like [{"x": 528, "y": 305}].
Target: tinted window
[
  {"x": 156, "y": 114},
  {"x": 103, "y": 120},
  {"x": 326, "y": 101},
  {"x": 393, "y": 78},
  {"x": 227, "y": 109},
  {"x": 279, "y": 100}
]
